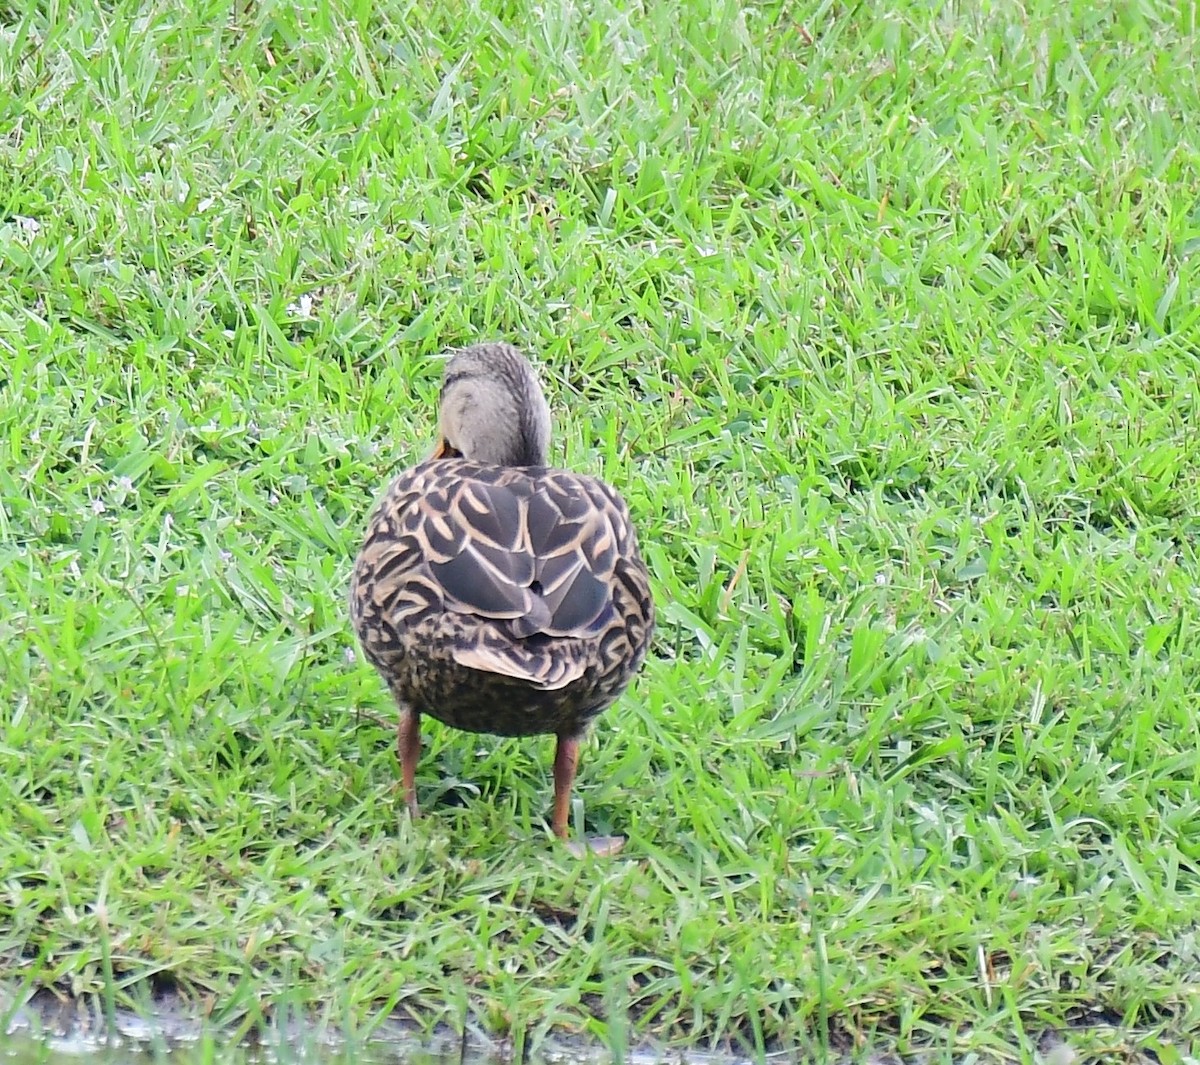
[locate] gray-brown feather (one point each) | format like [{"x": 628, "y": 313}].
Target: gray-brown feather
[{"x": 510, "y": 600}]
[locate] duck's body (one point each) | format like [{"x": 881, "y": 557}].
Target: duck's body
[
  {"x": 492, "y": 592},
  {"x": 445, "y": 611}
]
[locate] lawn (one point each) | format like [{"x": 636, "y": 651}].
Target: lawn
[{"x": 884, "y": 320}]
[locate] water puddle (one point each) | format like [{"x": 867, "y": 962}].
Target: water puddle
[{"x": 48, "y": 1030}]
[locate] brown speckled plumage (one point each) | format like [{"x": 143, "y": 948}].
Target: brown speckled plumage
[{"x": 492, "y": 592}]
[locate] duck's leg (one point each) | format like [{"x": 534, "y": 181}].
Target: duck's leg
[
  {"x": 566, "y": 759},
  {"x": 409, "y": 744}
]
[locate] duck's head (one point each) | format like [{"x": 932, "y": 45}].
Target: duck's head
[{"x": 492, "y": 408}]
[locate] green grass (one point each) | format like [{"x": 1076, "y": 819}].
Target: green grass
[{"x": 886, "y": 325}]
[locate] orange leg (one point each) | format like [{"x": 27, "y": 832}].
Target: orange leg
[
  {"x": 409, "y": 743},
  {"x": 566, "y": 758}
]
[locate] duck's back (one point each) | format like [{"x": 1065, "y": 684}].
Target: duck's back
[{"x": 502, "y": 599}]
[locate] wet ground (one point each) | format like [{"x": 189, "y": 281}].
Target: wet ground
[{"x": 48, "y": 1030}]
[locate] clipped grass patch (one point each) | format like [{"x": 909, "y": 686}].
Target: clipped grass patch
[{"x": 885, "y": 326}]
